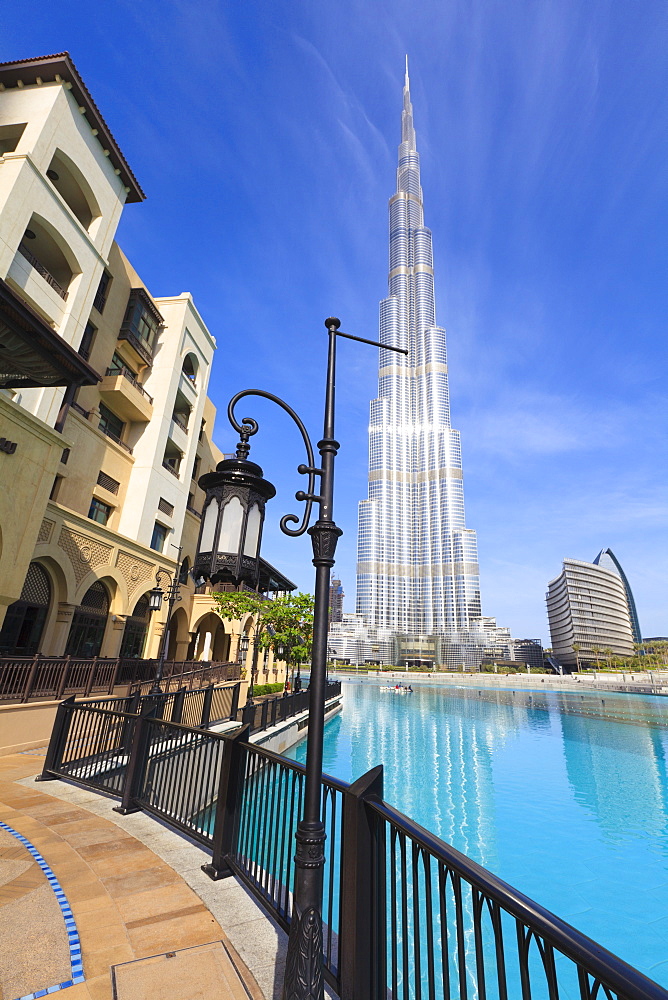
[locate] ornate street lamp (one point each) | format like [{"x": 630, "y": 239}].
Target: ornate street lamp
[
  {"x": 228, "y": 549},
  {"x": 155, "y": 598},
  {"x": 303, "y": 969}
]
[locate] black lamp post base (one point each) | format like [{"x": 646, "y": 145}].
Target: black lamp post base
[{"x": 303, "y": 965}]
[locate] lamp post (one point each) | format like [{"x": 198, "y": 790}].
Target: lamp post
[
  {"x": 155, "y": 598},
  {"x": 303, "y": 969}
]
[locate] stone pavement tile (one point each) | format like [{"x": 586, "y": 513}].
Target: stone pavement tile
[
  {"x": 145, "y": 878},
  {"x": 164, "y": 900},
  {"x": 101, "y": 922},
  {"x": 183, "y": 931},
  {"x": 97, "y": 963},
  {"x": 112, "y": 861},
  {"x": 100, "y": 988}
]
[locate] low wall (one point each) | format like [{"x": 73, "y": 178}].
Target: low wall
[
  {"x": 283, "y": 736},
  {"x": 27, "y": 725},
  {"x": 631, "y": 682}
]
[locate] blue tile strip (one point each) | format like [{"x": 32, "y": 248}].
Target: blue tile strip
[{"x": 70, "y": 926}]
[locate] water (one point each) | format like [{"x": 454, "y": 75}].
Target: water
[{"x": 562, "y": 795}]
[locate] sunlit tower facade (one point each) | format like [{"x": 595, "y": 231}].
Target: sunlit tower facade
[{"x": 417, "y": 571}]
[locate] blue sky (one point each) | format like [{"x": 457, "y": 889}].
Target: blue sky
[{"x": 265, "y": 136}]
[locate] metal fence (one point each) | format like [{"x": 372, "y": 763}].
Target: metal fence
[
  {"x": 406, "y": 916},
  {"x": 271, "y": 711},
  {"x": 24, "y": 678}
]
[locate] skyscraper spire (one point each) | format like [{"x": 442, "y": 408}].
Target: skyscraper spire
[{"x": 417, "y": 562}]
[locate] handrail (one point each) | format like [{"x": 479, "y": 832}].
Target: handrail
[
  {"x": 612, "y": 971},
  {"x": 39, "y": 267},
  {"x": 115, "y": 437},
  {"x": 126, "y": 373}
]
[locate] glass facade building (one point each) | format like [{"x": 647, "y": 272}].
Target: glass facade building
[{"x": 417, "y": 572}]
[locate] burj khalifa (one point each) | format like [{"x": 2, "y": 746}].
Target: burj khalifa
[{"x": 417, "y": 571}]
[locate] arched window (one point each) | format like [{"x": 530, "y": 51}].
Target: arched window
[
  {"x": 24, "y": 622},
  {"x": 136, "y": 627},
  {"x": 88, "y": 623},
  {"x": 189, "y": 367},
  {"x": 72, "y": 186}
]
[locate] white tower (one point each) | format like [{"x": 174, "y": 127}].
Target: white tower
[{"x": 417, "y": 571}]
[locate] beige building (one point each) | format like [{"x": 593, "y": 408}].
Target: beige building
[{"x": 105, "y": 424}]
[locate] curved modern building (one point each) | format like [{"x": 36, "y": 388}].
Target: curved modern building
[
  {"x": 417, "y": 572},
  {"x": 587, "y": 606},
  {"x": 608, "y": 560}
]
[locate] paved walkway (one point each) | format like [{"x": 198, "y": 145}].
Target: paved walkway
[{"x": 149, "y": 922}]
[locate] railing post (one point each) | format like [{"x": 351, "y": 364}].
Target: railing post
[
  {"x": 206, "y": 707},
  {"x": 63, "y": 679},
  {"x": 359, "y": 907},
  {"x": 91, "y": 677},
  {"x": 248, "y": 716},
  {"x": 57, "y": 742},
  {"x": 177, "y": 707},
  {"x": 31, "y": 677},
  {"x": 137, "y": 762},
  {"x": 235, "y": 701},
  {"x": 228, "y": 803},
  {"x": 114, "y": 675}
]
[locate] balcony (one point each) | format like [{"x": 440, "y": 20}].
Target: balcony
[
  {"x": 142, "y": 351},
  {"x": 178, "y": 436},
  {"x": 40, "y": 294},
  {"x": 39, "y": 267},
  {"x": 115, "y": 437},
  {"x": 128, "y": 398}
]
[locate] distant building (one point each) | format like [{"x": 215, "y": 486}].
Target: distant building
[
  {"x": 529, "y": 651},
  {"x": 607, "y": 559},
  {"x": 336, "y": 596},
  {"x": 588, "y": 613}
]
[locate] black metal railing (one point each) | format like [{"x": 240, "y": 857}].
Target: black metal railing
[
  {"x": 272, "y": 711},
  {"x": 43, "y": 271},
  {"x": 143, "y": 349},
  {"x": 406, "y": 916},
  {"x": 181, "y": 419},
  {"x": 23, "y": 678},
  {"x": 132, "y": 378},
  {"x": 108, "y": 432}
]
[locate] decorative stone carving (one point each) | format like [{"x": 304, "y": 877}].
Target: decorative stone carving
[
  {"x": 84, "y": 553},
  {"x": 135, "y": 571},
  {"x": 45, "y": 530}
]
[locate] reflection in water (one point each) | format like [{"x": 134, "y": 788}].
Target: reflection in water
[
  {"x": 563, "y": 795},
  {"x": 616, "y": 773}
]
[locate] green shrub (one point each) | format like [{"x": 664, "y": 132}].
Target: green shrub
[{"x": 266, "y": 689}]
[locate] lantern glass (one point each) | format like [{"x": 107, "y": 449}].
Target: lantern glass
[
  {"x": 230, "y": 530},
  {"x": 253, "y": 524},
  {"x": 243, "y": 644},
  {"x": 155, "y": 598}
]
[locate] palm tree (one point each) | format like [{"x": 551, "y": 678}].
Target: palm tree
[
  {"x": 576, "y": 647},
  {"x": 608, "y": 655}
]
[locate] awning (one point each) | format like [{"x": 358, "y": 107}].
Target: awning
[{"x": 31, "y": 353}]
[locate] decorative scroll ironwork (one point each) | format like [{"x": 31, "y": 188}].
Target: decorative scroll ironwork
[{"x": 248, "y": 427}]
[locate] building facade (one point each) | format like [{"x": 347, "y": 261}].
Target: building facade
[
  {"x": 417, "y": 571},
  {"x": 336, "y": 596},
  {"x": 103, "y": 398},
  {"x": 608, "y": 560},
  {"x": 588, "y": 614}
]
